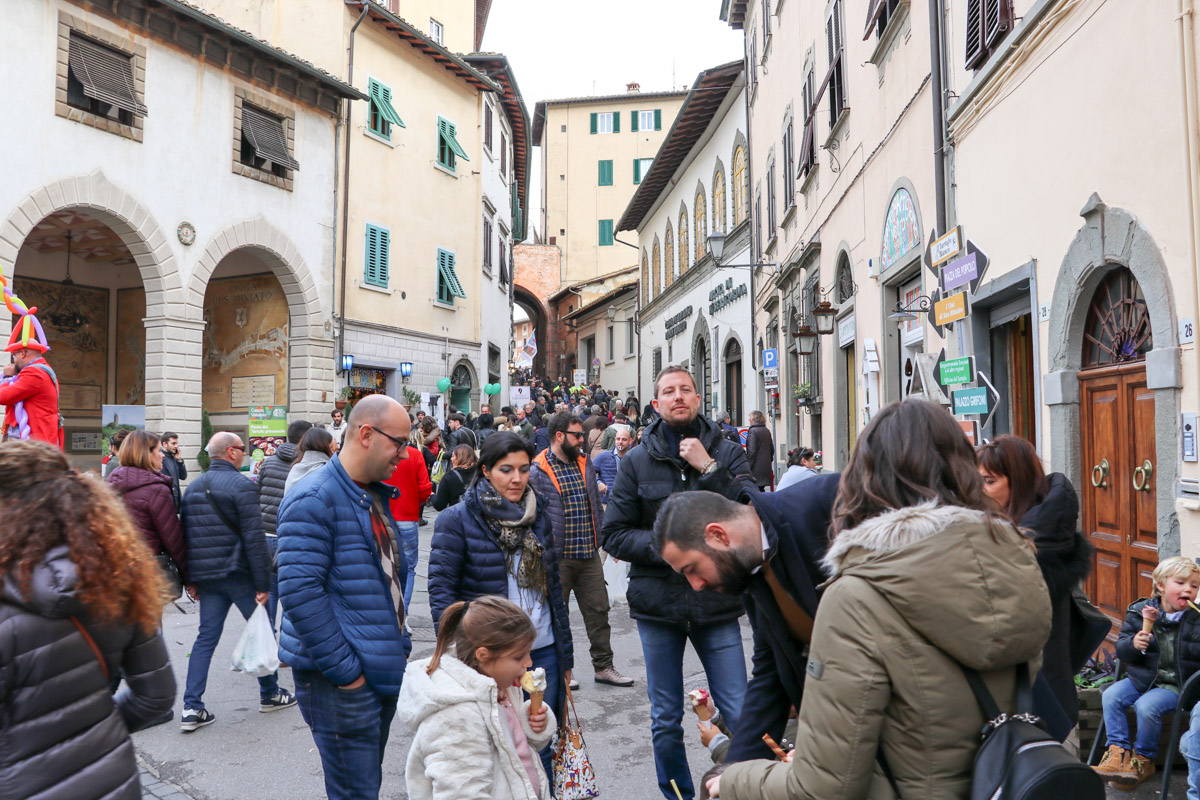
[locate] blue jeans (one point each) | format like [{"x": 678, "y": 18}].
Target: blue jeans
[
  {"x": 1190, "y": 747},
  {"x": 547, "y": 659},
  {"x": 273, "y": 599},
  {"x": 720, "y": 649},
  {"x": 215, "y": 599},
  {"x": 350, "y": 727},
  {"x": 410, "y": 545},
  {"x": 1149, "y": 708}
]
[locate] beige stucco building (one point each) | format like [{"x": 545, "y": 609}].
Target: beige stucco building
[{"x": 594, "y": 152}]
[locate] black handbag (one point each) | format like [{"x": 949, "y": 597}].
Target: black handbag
[
  {"x": 170, "y": 572},
  {"x": 1089, "y": 627}
]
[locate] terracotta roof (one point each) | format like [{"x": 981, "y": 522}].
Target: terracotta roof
[
  {"x": 209, "y": 20},
  {"x": 482, "y": 9},
  {"x": 608, "y": 298},
  {"x": 539, "y": 112},
  {"x": 498, "y": 69},
  {"x": 408, "y": 33},
  {"x": 706, "y": 96},
  {"x": 734, "y": 12},
  {"x": 598, "y": 279}
]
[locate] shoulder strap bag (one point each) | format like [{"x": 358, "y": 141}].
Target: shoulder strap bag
[{"x": 574, "y": 778}]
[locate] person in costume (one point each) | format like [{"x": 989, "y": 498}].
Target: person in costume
[{"x": 29, "y": 388}]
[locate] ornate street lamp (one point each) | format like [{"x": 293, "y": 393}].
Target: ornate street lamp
[{"x": 806, "y": 337}]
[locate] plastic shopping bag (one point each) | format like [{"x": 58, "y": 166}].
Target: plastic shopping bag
[{"x": 256, "y": 652}]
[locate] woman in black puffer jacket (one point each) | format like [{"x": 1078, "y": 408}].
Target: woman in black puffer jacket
[
  {"x": 1046, "y": 508},
  {"x": 81, "y": 599}
]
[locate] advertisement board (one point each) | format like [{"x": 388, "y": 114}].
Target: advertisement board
[{"x": 266, "y": 432}]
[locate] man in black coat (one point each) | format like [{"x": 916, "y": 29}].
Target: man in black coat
[
  {"x": 173, "y": 466},
  {"x": 770, "y": 553},
  {"x": 272, "y": 480},
  {"x": 681, "y": 452}
]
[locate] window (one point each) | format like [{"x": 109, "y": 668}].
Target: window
[
  {"x": 701, "y": 213},
  {"x": 789, "y": 181},
  {"x": 766, "y": 15},
  {"x": 436, "y": 32},
  {"x": 740, "y": 184},
  {"x": 606, "y": 122},
  {"x": 641, "y": 166},
  {"x": 630, "y": 337},
  {"x": 879, "y": 15},
  {"x": 771, "y": 218},
  {"x": 505, "y": 260},
  {"x": 382, "y": 115},
  {"x": 656, "y": 265},
  {"x": 808, "y": 146},
  {"x": 656, "y": 362},
  {"x": 758, "y": 228},
  {"x": 449, "y": 150},
  {"x": 487, "y": 245},
  {"x": 753, "y": 55},
  {"x": 836, "y": 78},
  {"x": 448, "y": 286},
  {"x": 718, "y": 200},
  {"x": 378, "y": 247},
  {"x": 487, "y": 126},
  {"x": 684, "y": 255},
  {"x": 988, "y": 21},
  {"x": 606, "y": 233},
  {"x": 606, "y": 173},
  {"x": 100, "y": 80},
  {"x": 645, "y": 279},
  {"x": 645, "y": 120},
  {"x": 503, "y": 157},
  {"x": 812, "y": 363},
  {"x": 609, "y": 336},
  {"x": 264, "y": 142},
  {"x": 669, "y": 255},
  {"x": 845, "y": 280}
]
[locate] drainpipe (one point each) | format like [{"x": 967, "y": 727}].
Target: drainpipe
[
  {"x": 346, "y": 188},
  {"x": 939, "y": 117},
  {"x": 1187, "y": 65}
]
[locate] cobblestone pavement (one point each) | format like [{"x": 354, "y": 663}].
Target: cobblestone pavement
[{"x": 153, "y": 785}]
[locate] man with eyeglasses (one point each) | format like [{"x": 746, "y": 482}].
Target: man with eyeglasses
[
  {"x": 567, "y": 478},
  {"x": 229, "y": 565},
  {"x": 341, "y": 584}
]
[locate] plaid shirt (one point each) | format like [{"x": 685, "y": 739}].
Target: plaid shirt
[{"x": 579, "y": 535}]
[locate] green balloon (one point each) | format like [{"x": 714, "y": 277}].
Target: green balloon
[
  {"x": 443, "y": 384},
  {"x": 492, "y": 388}
]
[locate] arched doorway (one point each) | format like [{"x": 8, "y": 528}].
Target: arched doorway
[
  {"x": 462, "y": 382},
  {"x": 539, "y": 315},
  {"x": 733, "y": 382},
  {"x": 702, "y": 367}
]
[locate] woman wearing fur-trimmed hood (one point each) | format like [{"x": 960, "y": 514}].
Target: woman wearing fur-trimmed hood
[{"x": 924, "y": 579}]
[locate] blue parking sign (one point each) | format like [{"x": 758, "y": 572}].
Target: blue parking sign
[{"x": 770, "y": 358}]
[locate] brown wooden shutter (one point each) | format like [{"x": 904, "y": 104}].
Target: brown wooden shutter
[{"x": 106, "y": 74}]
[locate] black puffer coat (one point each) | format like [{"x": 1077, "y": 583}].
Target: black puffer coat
[
  {"x": 272, "y": 481},
  {"x": 647, "y": 477},
  {"x": 1142, "y": 668},
  {"x": 760, "y": 452},
  {"x": 215, "y": 550},
  {"x": 62, "y": 731},
  {"x": 1065, "y": 557}
]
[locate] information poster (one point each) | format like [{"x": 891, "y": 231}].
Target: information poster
[
  {"x": 518, "y": 396},
  {"x": 267, "y": 431},
  {"x": 117, "y": 418}
]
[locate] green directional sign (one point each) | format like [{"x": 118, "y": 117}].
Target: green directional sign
[
  {"x": 956, "y": 371},
  {"x": 974, "y": 400}
]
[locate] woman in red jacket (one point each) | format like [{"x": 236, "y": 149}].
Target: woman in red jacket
[
  {"x": 412, "y": 479},
  {"x": 146, "y": 493}
]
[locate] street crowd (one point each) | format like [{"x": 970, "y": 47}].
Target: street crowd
[{"x": 883, "y": 601}]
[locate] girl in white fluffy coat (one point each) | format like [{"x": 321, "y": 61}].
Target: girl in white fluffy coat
[{"x": 474, "y": 736}]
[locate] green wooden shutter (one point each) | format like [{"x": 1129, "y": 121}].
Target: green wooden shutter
[
  {"x": 595, "y": 124},
  {"x": 637, "y": 170},
  {"x": 658, "y": 119},
  {"x": 606, "y": 232},
  {"x": 633, "y": 121},
  {"x": 616, "y": 115},
  {"x": 378, "y": 245}
]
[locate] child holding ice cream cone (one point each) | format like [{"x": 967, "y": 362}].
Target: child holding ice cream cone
[
  {"x": 1157, "y": 646},
  {"x": 475, "y": 735}
]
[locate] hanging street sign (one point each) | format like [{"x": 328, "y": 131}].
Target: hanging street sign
[
  {"x": 971, "y": 429},
  {"x": 770, "y": 358},
  {"x": 950, "y": 309},
  {"x": 955, "y": 371},
  {"x": 995, "y": 399},
  {"x": 973, "y": 400},
  {"x": 981, "y": 265},
  {"x": 960, "y": 271},
  {"x": 944, "y": 247}
]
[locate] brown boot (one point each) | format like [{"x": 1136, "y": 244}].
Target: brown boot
[
  {"x": 1115, "y": 763},
  {"x": 1142, "y": 769}
]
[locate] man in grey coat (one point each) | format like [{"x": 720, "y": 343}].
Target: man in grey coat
[{"x": 272, "y": 482}]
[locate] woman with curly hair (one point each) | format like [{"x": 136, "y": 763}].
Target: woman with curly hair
[{"x": 81, "y": 599}]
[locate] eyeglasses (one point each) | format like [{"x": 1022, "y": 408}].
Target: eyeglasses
[
  {"x": 401, "y": 444},
  {"x": 237, "y": 447},
  {"x": 576, "y": 434}
]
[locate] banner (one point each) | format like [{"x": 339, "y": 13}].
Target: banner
[
  {"x": 518, "y": 396},
  {"x": 267, "y": 431}
]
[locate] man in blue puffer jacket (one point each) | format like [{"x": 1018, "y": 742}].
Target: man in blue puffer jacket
[{"x": 341, "y": 586}]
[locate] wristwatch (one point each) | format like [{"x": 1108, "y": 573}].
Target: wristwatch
[{"x": 711, "y": 467}]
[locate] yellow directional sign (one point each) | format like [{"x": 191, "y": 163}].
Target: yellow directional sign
[{"x": 952, "y": 309}]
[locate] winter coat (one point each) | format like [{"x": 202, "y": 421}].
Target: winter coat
[
  {"x": 272, "y": 482},
  {"x": 37, "y": 387},
  {"x": 541, "y": 439},
  {"x": 176, "y": 471},
  {"x": 411, "y": 478},
  {"x": 795, "y": 474},
  {"x": 147, "y": 497},
  {"x": 607, "y": 464},
  {"x": 526, "y": 430},
  {"x": 339, "y": 618},
  {"x": 452, "y": 486},
  {"x": 647, "y": 477},
  {"x": 796, "y": 523},
  {"x": 916, "y": 592},
  {"x": 311, "y": 461},
  {"x": 543, "y": 480},
  {"x": 63, "y": 733},
  {"x": 465, "y": 562},
  {"x": 1065, "y": 556},
  {"x": 461, "y": 748},
  {"x": 214, "y": 550},
  {"x": 1142, "y": 668},
  {"x": 482, "y": 434},
  {"x": 760, "y": 452},
  {"x": 463, "y": 435}
]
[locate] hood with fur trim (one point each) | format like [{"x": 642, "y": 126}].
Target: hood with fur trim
[{"x": 976, "y": 592}]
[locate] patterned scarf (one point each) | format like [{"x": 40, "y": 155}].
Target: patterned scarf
[{"x": 512, "y": 525}]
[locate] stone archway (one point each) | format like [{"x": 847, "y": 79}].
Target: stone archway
[
  {"x": 539, "y": 312},
  {"x": 702, "y": 362},
  {"x": 1112, "y": 238}
]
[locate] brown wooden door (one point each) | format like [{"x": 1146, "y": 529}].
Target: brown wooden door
[{"x": 1116, "y": 423}]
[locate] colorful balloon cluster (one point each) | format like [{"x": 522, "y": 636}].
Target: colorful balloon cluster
[{"x": 28, "y": 332}]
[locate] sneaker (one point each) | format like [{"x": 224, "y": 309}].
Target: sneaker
[
  {"x": 195, "y": 718},
  {"x": 612, "y": 677},
  {"x": 281, "y": 699},
  {"x": 1142, "y": 770},
  {"x": 1115, "y": 763},
  {"x": 574, "y": 684}
]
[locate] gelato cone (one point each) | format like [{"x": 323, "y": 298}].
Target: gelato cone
[
  {"x": 699, "y": 698},
  {"x": 1149, "y": 616},
  {"x": 534, "y": 682}
]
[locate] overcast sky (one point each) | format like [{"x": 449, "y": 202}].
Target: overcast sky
[{"x": 570, "y": 48}]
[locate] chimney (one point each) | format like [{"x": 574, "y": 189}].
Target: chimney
[{"x": 633, "y": 88}]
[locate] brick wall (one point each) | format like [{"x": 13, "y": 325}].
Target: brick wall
[{"x": 536, "y": 270}]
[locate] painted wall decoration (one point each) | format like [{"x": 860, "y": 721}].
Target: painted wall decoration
[
  {"x": 245, "y": 335},
  {"x": 901, "y": 230},
  {"x": 79, "y": 357},
  {"x": 131, "y": 346}
]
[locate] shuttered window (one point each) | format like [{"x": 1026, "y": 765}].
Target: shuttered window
[
  {"x": 487, "y": 245},
  {"x": 449, "y": 150},
  {"x": 378, "y": 246},
  {"x": 264, "y": 141},
  {"x": 606, "y": 232},
  {"x": 503, "y": 157},
  {"x": 606, "y": 173},
  {"x": 606, "y": 122},
  {"x": 789, "y": 176},
  {"x": 641, "y": 166},
  {"x": 835, "y": 79},
  {"x": 383, "y": 114},
  {"x": 104, "y": 79},
  {"x": 448, "y": 285},
  {"x": 650, "y": 120},
  {"x": 988, "y": 22}
]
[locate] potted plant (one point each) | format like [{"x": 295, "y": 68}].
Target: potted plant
[
  {"x": 1090, "y": 683},
  {"x": 411, "y": 398},
  {"x": 803, "y": 392},
  {"x": 343, "y": 398}
]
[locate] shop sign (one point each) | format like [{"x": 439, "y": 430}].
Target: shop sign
[
  {"x": 846, "y": 331},
  {"x": 951, "y": 309},
  {"x": 959, "y": 272},
  {"x": 945, "y": 247},
  {"x": 677, "y": 323},
  {"x": 956, "y": 371},
  {"x": 725, "y": 294},
  {"x": 974, "y": 400}
]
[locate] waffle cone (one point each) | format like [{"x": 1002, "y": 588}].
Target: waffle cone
[{"x": 535, "y": 703}]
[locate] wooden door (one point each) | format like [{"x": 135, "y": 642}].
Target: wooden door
[{"x": 1118, "y": 492}]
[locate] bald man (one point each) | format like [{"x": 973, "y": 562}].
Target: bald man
[{"x": 341, "y": 585}]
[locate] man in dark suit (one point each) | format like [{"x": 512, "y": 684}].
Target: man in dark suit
[{"x": 769, "y": 552}]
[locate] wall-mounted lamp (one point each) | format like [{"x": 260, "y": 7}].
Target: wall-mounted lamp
[
  {"x": 405, "y": 370},
  {"x": 347, "y": 362},
  {"x": 612, "y": 313},
  {"x": 903, "y": 312}
]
